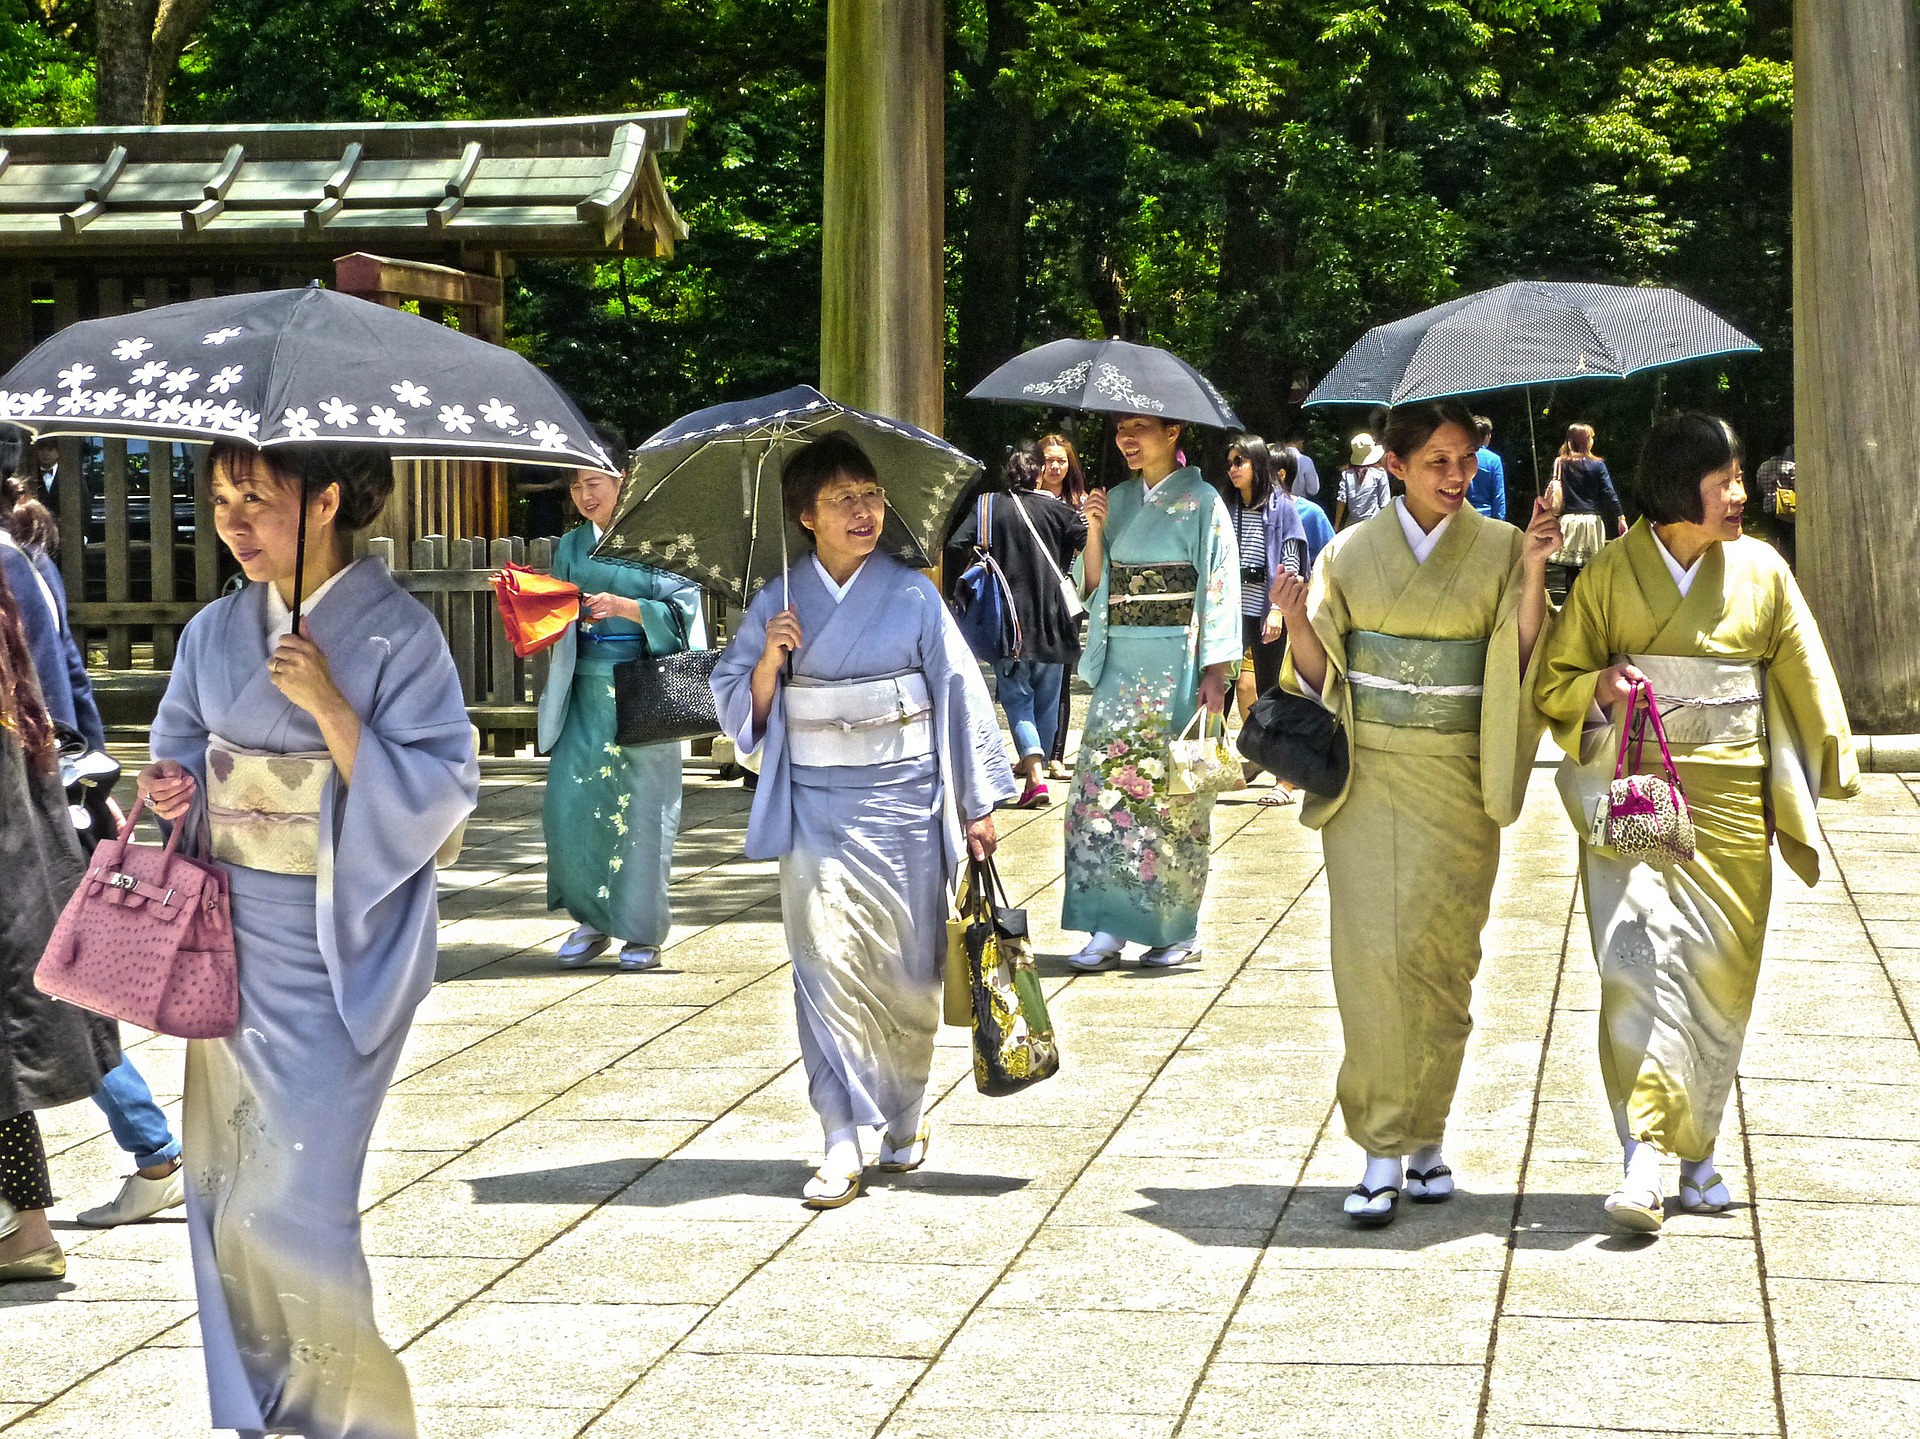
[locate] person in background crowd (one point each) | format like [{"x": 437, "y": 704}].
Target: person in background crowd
[
  {"x": 28, "y": 543},
  {"x": 1305, "y": 483},
  {"x": 1270, "y": 539},
  {"x": 1062, "y": 476},
  {"x": 612, "y": 811},
  {"x": 50, "y": 1053},
  {"x": 1034, "y": 539},
  {"x": 1314, "y": 523},
  {"x": 1418, "y": 631},
  {"x": 42, "y": 470},
  {"x": 1365, "y": 486},
  {"x": 342, "y": 751},
  {"x": 1488, "y": 493},
  {"x": 872, "y": 823},
  {"x": 1759, "y": 733},
  {"x": 1590, "y": 508},
  {"x": 1779, "y": 500},
  {"x": 1164, "y": 627}
]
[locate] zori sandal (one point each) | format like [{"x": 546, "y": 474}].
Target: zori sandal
[
  {"x": 1706, "y": 1196},
  {"x": 830, "y": 1191},
  {"x": 1430, "y": 1186},
  {"x": 1364, "y": 1214},
  {"x": 1639, "y": 1211}
]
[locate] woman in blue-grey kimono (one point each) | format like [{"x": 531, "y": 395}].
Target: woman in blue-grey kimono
[
  {"x": 612, "y": 811},
  {"x": 1164, "y": 625},
  {"x": 881, "y": 763},
  {"x": 330, "y": 767}
]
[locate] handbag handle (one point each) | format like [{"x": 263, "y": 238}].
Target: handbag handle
[
  {"x": 679, "y": 626},
  {"x": 186, "y": 821},
  {"x": 1642, "y": 711},
  {"x": 1200, "y": 712}
]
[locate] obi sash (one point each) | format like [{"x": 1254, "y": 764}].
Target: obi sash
[
  {"x": 1416, "y": 684},
  {"x": 264, "y": 807},
  {"x": 859, "y": 722},
  {"x": 1142, "y": 595},
  {"x": 1704, "y": 701}
]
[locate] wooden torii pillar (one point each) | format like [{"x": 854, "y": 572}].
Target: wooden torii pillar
[
  {"x": 883, "y": 226},
  {"x": 1856, "y": 303}
]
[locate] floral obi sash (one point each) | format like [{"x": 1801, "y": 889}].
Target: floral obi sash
[
  {"x": 1145, "y": 595},
  {"x": 1416, "y": 684},
  {"x": 264, "y": 807},
  {"x": 1704, "y": 701}
]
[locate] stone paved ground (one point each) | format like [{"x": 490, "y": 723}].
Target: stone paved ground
[{"x": 582, "y": 1198}]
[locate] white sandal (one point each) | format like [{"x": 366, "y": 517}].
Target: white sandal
[
  {"x": 830, "y": 1191},
  {"x": 581, "y": 946},
  {"x": 1710, "y": 1195},
  {"x": 1640, "y": 1211},
  {"x": 1095, "y": 957},
  {"x": 1168, "y": 955}
]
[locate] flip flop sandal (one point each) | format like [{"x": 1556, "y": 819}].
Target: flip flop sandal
[
  {"x": 1700, "y": 1204},
  {"x": 1276, "y": 798},
  {"x": 1378, "y": 1219},
  {"x": 1426, "y": 1179},
  {"x": 904, "y": 1161},
  {"x": 1628, "y": 1209},
  {"x": 831, "y": 1200},
  {"x": 1092, "y": 961},
  {"x": 1167, "y": 956}
]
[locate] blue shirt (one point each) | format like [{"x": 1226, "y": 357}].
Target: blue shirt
[
  {"x": 1488, "y": 492},
  {"x": 1318, "y": 527}
]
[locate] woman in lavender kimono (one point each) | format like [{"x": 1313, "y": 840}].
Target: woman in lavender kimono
[
  {"x": 1163, "y": 627},
  {"x": 880, "y": 767},
  {"x": 330, "y": 767}
]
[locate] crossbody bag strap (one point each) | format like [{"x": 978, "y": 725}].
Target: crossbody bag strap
[{"x": 1039, "y": 544}]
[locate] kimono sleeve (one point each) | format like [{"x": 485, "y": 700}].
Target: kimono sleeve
[
  {"x": 977, "y": 757},
  {"x": 1570, "y": 658},
  {"x": 732, "y": 680},
  {"x": 1510, "y": 719},
  {"x": 1329, "y": 614},
  {"x": 669, "y": 609},
  {"x": 1809, "y": 741},
  {"x": 1220, "y": 638}
]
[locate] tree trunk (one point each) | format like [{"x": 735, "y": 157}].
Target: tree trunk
[
  {"x": 138, "y": 44},
  {"x": 1251, "y": 268},
  {"x": 883, "y": 213},
  {"x": 1856, "y": 291}
]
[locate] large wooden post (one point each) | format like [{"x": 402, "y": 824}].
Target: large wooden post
[
  {"x": 1856, "y": 301},
  {"x": 882, "y": 292}
]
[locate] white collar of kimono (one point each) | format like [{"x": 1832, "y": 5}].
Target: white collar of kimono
[
  {"x": 280, "y": 618},
  {"x": 598, "y": 533},
  {"x": 1420, "y": 541},
  {"x": 1163, "y": 486},
  {"x": 1682, "y": 578},
  {"x": 834, "y": 587}
]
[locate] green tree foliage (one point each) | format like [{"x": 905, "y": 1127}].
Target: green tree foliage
[{"x": 46, "y": 76}]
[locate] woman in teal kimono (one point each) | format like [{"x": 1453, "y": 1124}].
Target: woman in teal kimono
[
  {"x": 1164, "y": 626},
  {"x": 612, "y": 811}
]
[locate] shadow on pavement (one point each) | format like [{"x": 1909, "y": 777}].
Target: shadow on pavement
[{"x": 1224, "y": 1214}]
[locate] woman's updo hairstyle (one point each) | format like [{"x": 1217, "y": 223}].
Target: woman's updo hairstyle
[
  {"x": 1023, "y": 467},
  {"x": 363, "y": 473},
  {"x": 1681, "y": 452},
  {"x": 817, "y": 464},
  {"x": 1409, "y": 427}
]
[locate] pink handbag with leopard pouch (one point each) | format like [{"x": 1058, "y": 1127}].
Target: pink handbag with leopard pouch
[{"x": 148, "y": 938}]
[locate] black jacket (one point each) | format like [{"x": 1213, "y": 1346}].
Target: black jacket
[{"x": 1047, "y": 634}]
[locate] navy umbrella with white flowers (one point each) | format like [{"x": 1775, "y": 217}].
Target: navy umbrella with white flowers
[{"x": 298, "y": 367}]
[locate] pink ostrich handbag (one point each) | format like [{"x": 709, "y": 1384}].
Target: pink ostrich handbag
[{"x": 148, "y": 938}]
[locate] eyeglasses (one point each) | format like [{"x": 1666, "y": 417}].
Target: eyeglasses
[{"x": 871, "y": 498}]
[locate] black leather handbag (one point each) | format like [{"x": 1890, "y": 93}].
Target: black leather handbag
[
  {"x": 1297, "y": 740},
  {"x": 662, "y": 699}
]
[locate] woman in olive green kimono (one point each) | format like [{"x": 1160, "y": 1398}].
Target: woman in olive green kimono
[
  {"x": 612, "y": 811},
  {"x": 1417, "y": 632},
  {"x": 1715, "y": 623}
]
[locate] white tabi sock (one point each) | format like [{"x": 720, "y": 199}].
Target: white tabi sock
[
  {"x": 1422, "y": 1161},
  {"x": 843, "y": 1152},
  {"x": 1642, "y": 1167},
  {"x": 1382, "y": 1172}
]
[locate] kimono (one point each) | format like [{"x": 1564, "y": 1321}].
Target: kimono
[
  {"x": 1423, "y": 671},
  {"x": 1167, "y": 606},
  {"x": 612, "y": 811},
  {"x": 869, "y": 855},
  {"x": 1759, "y": 735},
  {"x": 332, "y": 965}
]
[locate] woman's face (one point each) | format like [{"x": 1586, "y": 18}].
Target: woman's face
[
  {"x": 256, "y": 512},
  {"x": 1146, "y": 443},
  {"x": 1437, "y": 474},
  {"x": 1723, "y": 503},
  {"x": 1240, "y": 471},
  {"x": 1053, "y": 470},
  {"x": 845, "y": 518},
  {"x": 594, "y": 495}
]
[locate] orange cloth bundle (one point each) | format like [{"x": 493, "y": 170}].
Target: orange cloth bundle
[{"x": 535, "y": 608}]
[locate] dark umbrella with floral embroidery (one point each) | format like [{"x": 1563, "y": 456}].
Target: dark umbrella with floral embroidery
[
  {"x": 298, "y": 367},
  {"x": 1112, "y": 377}
]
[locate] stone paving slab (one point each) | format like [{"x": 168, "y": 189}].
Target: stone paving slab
[{"x": 582, "y": 1217}]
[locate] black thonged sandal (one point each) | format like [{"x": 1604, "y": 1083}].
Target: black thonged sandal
[
  {"x": 1427, "y": 1179},
  {"x": 1375, "y": 1219}
]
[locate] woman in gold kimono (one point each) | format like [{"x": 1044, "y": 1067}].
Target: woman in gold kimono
[
  {"x": 1417, "y": 632},
  {"x": 1715, "y": 623}
]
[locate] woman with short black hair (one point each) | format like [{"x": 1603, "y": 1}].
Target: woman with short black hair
[{"x": 1753, "y": 714}]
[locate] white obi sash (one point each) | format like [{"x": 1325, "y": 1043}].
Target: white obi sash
[
  {"x": 264, "y": 807},
  {"x": 860, "y": 722},
  {"x": 1704, "y": 701}
]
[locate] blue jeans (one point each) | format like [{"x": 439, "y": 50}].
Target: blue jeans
[
  {"x": 136, "y": 1121},
  {"x": 1030, "y": 694}
]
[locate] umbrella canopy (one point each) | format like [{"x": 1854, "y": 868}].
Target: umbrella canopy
[
  {"x": 1526, "y": 333},
  {"x": 1110, "y": 376},
  {"x": 702, "y": 497},
  {"x": 298, "y": 367}
]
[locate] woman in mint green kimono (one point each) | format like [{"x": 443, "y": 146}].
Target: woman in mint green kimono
[
  {"x": 612, "y": 811},
  {"x": 1164, "y": 626}
]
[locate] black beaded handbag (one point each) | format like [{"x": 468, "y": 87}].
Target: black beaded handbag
[{"x": 663, "y": 699}]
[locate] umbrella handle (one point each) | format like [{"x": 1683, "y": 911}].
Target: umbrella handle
[{"x": 300, "y": 555}]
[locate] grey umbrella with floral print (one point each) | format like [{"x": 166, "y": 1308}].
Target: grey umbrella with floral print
[
  {"x": 298, "y": 367},
  {"x": 1112, "y": 377}
]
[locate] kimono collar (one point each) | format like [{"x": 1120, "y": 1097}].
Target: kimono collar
[
  {"x": 1682, "y": 578},
  {"x": 834, "y": 587},
  {"x": 280, "y": 618},
  {"x": 1173, "y": 488},
  {"x": 1421, "y": 542}
]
